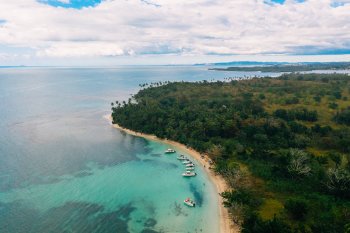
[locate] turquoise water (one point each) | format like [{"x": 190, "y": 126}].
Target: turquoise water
[{"x": 63, "y": 168}]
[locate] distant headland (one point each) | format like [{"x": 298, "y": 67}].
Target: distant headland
[{"x": 280, "y": 67}]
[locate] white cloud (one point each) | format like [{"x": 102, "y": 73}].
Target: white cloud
[
  {"x": 86, "y": 49},
  {"x": 197, "y": 27}
]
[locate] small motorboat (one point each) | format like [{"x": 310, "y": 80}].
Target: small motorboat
[
  {"x": 188, "y": 174},
  {"x": 169, "y": 151},
  {"x": 190, "y": 165},
  {"x": 189, "y": 202},
  {"x": 181, "y": 157},
  {"x": 186, "y": 161},
  {"x": 189, "y": 168}
]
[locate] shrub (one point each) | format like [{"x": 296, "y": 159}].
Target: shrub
[
  {"x": 301, "y": 114},
  {"x": 337, "y": 94},
  {"x": 254, "y": 224},
  {"x": 296, "y": 208},
  {"x": 317, "y": 98},
  {"x": 298, "y": 165},
  {"x": 339, "y": 182},
  {"x": 240, "y": 196},
  {"x": 333, "y": 105},
  {"x": 343, "y": 117},
  {"x": 262, "y": 96},
  {"x": 293, "y": 100}
]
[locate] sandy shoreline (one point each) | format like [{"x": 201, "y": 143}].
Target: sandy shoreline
[{"x": 226, "y": 224}]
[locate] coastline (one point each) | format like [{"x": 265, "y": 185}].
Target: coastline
[{"x": 226, "y": 224}]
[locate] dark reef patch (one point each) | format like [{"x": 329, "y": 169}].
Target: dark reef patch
[
  {"x": 197, "y": 194},
  {"x": 178, "y": 209},
  {"x": 78, "y": 217},
  {"x": 83, "y": 174},
  {"x": 146, "y": 230},
  {"x": 147, "y": 160},
  {"x": 165, "y": 164}
]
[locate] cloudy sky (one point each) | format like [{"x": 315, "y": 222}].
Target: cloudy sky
[{"x": 56, "y": 32}]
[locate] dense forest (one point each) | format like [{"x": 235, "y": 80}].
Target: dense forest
[
  {"x": 283, "y": 144},
  {"x": 290, "y": 67}
]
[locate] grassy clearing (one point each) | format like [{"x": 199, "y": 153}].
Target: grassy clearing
[{"x": 270, "y": 208}]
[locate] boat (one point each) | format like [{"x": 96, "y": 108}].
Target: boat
[
  {"x": 181, "y": 157},
  {"x": 186, "y": 161},
  {"x": 169, "y": 151},
  {"x": 190, "y": 165},
  {"x": 189, "y": 202},
  {"x": 188, "y": 173},
  {"x": 189, "y": 168}
]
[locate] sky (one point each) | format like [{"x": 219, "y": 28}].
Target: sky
[{"x": 119, "y": 32}]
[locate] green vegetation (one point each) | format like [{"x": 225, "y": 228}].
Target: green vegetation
[
  {"x": 296, "y": 208},
  {"x": 290, "y": 67},
  {"x": 343, "y": 117},
  {"x": 280, "y": 143}
]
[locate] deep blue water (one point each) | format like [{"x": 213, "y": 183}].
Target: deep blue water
[{"x": 63, "y": 168}]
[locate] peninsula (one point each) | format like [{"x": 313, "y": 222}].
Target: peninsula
[{"x": 281, "y": 144}]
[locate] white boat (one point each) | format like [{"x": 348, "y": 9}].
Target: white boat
[
  {"x": 190, "y": 165},
  {"x": 186, "y": 161},
  {"x": 181, "y": 157},
  {"x": 188, "y": 173},
  {"x": 189, "y": 202},
  {"x": 168, "y": 151},
  {"x": 189, "y": 168}
]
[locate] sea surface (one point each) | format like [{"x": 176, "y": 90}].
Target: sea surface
[{"x": 63, "y": 168}]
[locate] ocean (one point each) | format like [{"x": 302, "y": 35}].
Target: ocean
[{"x": 63, "y": 168}]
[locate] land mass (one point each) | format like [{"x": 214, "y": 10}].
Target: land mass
[
  {"x": 242, "y": 63},
  {"x": 288, "y": 67},
  {"x": 282, "y": 144}
]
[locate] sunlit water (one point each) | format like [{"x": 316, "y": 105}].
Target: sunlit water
[{"x": 63, "y": 168}]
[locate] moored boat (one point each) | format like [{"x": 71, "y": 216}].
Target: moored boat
[
  {"x": 169, "y": 151},
  {"x": 181, "y": 157},
  {"x": 186, "y": 161},
  {"x": 188, "y": 173},
  {"x": 190, "y": 165},
  {"x": 189, "y": 202},
  {"x": 189, "y": 168}
]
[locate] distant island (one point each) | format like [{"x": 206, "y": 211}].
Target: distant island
[
  {"x": 242, "y": 63},
  {"x": 282, "y": 144},
  {"x": 284, "y": 67}
]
